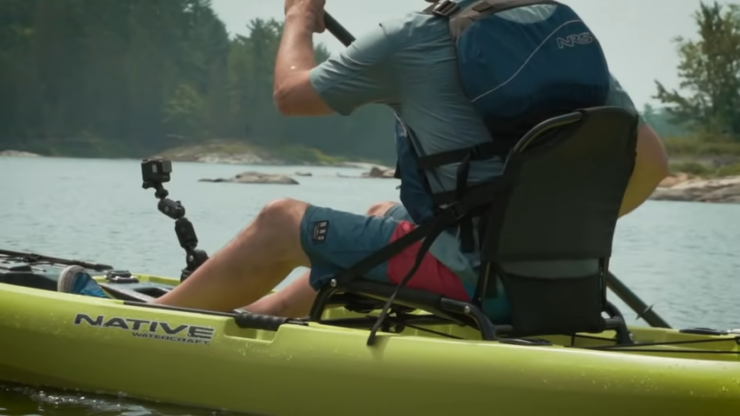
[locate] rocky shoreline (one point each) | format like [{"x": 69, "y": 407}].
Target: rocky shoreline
[
  {"x": 257, "y": 178},
  {"x": 678, "y": 187},
  {"x": 17, "y": 153},
  {"x": 253, "y": 177},
  {"x": 241, "y": 153},
  {"x": 683, "y": 187}
]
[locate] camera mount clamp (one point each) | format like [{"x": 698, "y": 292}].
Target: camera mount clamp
[{"x": 154, "y": 174}]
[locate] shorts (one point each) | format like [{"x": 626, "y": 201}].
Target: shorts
[{"x": 335, "y": 240}]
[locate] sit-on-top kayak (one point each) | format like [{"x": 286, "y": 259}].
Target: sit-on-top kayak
[
  {"x": 268, "y": 366},
  {"x": 425, "y": 360}
]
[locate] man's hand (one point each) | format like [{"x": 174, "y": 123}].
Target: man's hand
[{"x": 313, "y": 10}]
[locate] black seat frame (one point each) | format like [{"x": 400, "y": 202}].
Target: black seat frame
[{"x": 539, "y": 306}]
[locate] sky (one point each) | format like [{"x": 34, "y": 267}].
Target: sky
[{"x": 636, "y": 34}]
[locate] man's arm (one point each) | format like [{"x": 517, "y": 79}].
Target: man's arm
[
  {"x": 651, "y": 162},
  {"x": 360, "y": 75},
  {"x": 292, "y": 90}
]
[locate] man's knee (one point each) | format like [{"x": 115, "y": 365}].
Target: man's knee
[
  {"x": 278, "y": 227},
  {"x": 282, "y": 214},
  {"x": 379, "y": 209}
]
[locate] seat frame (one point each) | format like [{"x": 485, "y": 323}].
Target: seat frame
[
  {"x": 561, "y": 318},
  {"x": 365, "y": 296}
]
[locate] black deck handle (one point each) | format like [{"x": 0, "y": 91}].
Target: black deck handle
[{"x": 246, "y": 320}]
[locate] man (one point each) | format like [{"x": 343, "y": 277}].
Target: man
[{"x": 409, "y": 64}]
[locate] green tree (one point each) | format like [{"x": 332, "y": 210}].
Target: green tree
[
  {"x": 662, "y": 122},
  {"x": 710, "y": 75}
]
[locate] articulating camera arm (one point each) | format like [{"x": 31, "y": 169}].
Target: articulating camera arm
[{"x": 156, "y": 172}]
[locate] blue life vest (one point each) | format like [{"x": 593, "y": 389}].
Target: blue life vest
[{"x": 516, "y": 75}]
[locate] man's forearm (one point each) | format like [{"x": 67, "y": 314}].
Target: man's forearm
[{"x": 296, "y": 55}]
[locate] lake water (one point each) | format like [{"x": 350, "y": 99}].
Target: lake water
[{"x": 682, "y": 257}]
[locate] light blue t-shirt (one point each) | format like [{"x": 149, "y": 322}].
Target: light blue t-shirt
[{"x": 409, "y": 64}]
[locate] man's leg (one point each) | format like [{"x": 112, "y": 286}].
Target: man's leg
[
  {"x": 251, "y": 265},
  {"x": 362, "y": 235},
  {"x": 288, "y": 234},
  {"x": 243, "y": 271},
  {"x": 296, "y": 299}
]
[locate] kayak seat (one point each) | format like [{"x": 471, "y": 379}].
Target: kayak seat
[{"x": 545, "y": 234}]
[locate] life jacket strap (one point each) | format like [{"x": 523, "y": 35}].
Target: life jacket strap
[{"x": 482, "y": 151}]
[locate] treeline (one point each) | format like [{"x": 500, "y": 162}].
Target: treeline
[{"x": 132, "y": 77}]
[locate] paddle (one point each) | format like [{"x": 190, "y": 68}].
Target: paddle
[
  {"x": 633, "y": 301},
  {"x": 620, "y": 289},
  {"x": 336, "y": 29},
  {"x": 26, "y": 257}
]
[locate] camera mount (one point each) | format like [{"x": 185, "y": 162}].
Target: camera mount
[{"x": 154, "y": 174}]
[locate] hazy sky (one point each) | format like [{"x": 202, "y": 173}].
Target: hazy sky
[{"x": 636, "y": 34}]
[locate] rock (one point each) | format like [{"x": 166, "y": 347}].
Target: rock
[
  {"x": 17, "y": 153},
  {"x": 363, "y": 165},
  {"x": 669, "y": 194},
  {"x": 303, "y": 174},
  {"x": 726, "y": 194},
  {"x": 709, "y": 183},
  {"x": 256, "y": 177},
  {"x": 374, "y": 172},
  {"x": 672, "y": 181},
  {"x": 228, "y": 159},
  {"x": 377, "y": 172},
  {"x": 683, "y": 188}
]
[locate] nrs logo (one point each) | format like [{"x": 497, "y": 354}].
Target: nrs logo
[{"x": 570, "y": 41}]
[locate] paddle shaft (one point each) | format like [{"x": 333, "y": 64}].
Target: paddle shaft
[
  {"x": 36, "y": 258},
  {"x": 620, "y": 289},
  {"x": 642, "y": 309},
  {"x": 336, "y": 29}
]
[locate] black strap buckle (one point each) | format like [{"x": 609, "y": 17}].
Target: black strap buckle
[
  {"x": 476, "y": 153},
  {"x": 454, "y": 212},
  {"x": 445, "y": 8}
]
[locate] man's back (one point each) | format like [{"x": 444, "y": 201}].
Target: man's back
[{"x": 411, "y": 64}]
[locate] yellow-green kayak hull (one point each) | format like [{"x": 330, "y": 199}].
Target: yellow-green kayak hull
[{"x": 100, "y": 345}]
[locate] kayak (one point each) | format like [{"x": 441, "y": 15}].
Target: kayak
[{"x": 265, "y": 366}]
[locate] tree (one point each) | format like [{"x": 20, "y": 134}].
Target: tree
[{"x": 710, "y": 75}]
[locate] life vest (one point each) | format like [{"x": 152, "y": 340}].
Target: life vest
[{"x": 516, "y": 74}]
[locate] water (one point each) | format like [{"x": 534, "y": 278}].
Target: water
[{"x": 682, "y": 257}]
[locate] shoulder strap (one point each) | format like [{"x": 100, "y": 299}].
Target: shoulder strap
[
  {"x": 443, "y": 8},
  {"x": 460, "y": 19},
  {"x": 449, "y": 8},
  {"x": 488, "y": 7}
]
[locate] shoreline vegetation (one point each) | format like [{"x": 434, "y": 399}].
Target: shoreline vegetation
[
  {"x": 696, "y": 158},
  {"x": 240, "y": 153}
]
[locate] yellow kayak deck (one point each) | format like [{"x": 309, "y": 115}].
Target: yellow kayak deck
[{"x": 301, "y": 368}]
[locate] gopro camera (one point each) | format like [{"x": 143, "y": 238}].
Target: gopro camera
[{"x": 156, "y": 170}]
